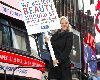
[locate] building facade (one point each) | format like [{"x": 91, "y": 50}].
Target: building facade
[{"x": 80, "y": 16}]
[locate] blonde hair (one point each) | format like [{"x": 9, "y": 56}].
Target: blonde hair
[{"x": 69, "y": 27}]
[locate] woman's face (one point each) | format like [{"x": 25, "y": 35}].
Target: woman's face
[{"x": 64, "y": 24}]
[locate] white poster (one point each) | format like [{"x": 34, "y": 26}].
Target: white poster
[{"x": 39, "y": 15}]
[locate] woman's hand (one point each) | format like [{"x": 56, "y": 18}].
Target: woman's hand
[
  {"x": 46, "y": 39},
  {"x": 55, "y": 62}
]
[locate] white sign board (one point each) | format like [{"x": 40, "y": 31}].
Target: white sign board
[
  {"x": 39, "y": 15},
  {"x": 26, "y": 72},
  {"x": 10, "y": 12}
]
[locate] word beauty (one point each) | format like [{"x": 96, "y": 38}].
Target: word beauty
[{"x": 38, "y": 11}]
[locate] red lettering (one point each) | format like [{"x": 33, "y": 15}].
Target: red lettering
[
  {"x": 90, "y": 40},
  {"x": 87, "y": 38},
  {"x": 25, "y": 62},
  {"x": 36, "y": 2},
  {"x": 25, "y": 11},
  {"x": 44, "y": 1},
  {"x": 15, "y": 60},
  {"x": 94, "y": 46},
  {"x": 38, "y": 15},
  {"x": 19, "y": 60},
  {"x": 36, "y": 9},
  {"x": 46, "y": 7}
]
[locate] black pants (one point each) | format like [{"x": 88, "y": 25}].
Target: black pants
[{"x": 61, "y": 72}]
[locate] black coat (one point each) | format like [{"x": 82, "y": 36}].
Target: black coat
[{"x": 62, "y": 44}]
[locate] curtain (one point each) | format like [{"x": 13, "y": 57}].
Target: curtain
[{"x": 14, "y": 38}]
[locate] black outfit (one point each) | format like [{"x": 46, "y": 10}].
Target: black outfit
[{"x": 62, "y": 44}]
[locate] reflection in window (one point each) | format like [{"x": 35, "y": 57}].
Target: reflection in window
[
  {"x": 14, "y": 38},
  {"x": 11, "y": 37},
  {"x": 6, "y": 35},
  {"x": 19, "y": 40},
  {"x": 0, "y": 35}
]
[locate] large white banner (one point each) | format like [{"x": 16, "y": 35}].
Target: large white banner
[{"x": 39, "y": 15}]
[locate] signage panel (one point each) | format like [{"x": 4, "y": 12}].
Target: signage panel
[
  {"x": 17, "y": 59},
  {"x": 10, "y": 12},
  {"x": 27, "y": 72},
  {"x": 39, "y": 15}
]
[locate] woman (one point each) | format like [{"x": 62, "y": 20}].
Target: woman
[{"x": 62, "y": 42}]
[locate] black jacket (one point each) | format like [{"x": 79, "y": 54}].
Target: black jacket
[{"x": 62, "y": 44}]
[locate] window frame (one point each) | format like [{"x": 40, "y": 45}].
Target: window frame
[{"x": 21, "y": 28}]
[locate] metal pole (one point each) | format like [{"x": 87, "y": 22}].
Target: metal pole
[
  {"x": 5, "y": 74},
  {"x": 13, "y": 73},
  {"x": 81, "y": 39}
]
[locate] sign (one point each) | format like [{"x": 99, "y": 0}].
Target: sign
[
  {"x": 10, "y": 12},
  {"x": 13, "y": 3},
  {"x": 27, "y": 72},
  {"x": 90, "y": 40},
  {"x": 39, "y": 15},
  {"x": 16, "y": 59},
  {"x": 97, "y": 8}
]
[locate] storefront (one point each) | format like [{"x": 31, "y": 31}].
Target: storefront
[
  {"x": 15, "y": 64},
  {"x": 15, "y": 47}
]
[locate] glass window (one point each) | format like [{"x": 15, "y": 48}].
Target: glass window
[
  {"x": 5, "y": 33},
  {"x": 19, "y": 41},
  {"x": 12, "y": 36},
  {"x": 6, "y": 37},
  {"x": 4, "y": 22},
  {"x": 0, "y": 35}
]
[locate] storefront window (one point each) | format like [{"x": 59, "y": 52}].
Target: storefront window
[
  {"x": 0, "y": 35},
  {"x": 6, "y": 41},
  {"x": 19, "y": 40},
  {"x": 6, "y": 35},
  {"x": 10, "y": 36}
]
